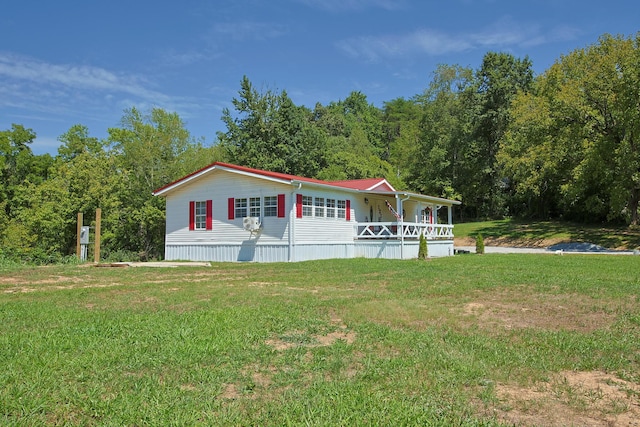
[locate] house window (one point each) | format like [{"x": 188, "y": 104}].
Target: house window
[
  {"x": 331, "y": 208},
  {"x": 241, "y": 208},
  {"x": 201, "y": 215},
  {"x": 319, "y": 206},
  {"x": 342, "y": 208},
  {"x": 270, "y": 206},
  {"x": 254, "y": 206},
  {"x": 307, "y": 206}
]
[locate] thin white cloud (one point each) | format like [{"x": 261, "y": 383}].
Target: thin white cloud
[
  {"x": 83, "y": 77},
  {"x": 502, "y": 34},
  {"x": 248, "y": 30},
  {"x": 430, "y": 42},
  {"x": 350, "y": 5},
  {"x": 176, "y": 58},
  {"x": 68, "y": 93}
]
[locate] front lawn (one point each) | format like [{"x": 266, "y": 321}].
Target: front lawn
[{"x": 465, "y": 340}]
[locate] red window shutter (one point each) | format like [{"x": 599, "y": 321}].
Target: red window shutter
[
  {"x": 280, "y": 205},
  {"x": 348, "y": 210},
  {"x": 231, "y": 207},
  {"x": 192, "y": 216},
  {"x": 298, "y": 205},
  {"x": 209, "y": 214}
]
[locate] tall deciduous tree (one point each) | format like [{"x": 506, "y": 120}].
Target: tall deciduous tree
[
  {"x": 584, "y": 122},
  {"x": 441, "y": 159},
  {"x": 18, "y": 164},
  {"x": 500, "y": 77},
  {"x": 270, "y": 132},
  {"x": 401, "y": 134},
  {"x": 152, "y": 150}
]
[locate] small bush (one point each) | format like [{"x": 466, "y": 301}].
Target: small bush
[
  {"x": 121, "y": 255},
  {"x": 423, "y": 250},
  {"x": 479, "y": 244}
]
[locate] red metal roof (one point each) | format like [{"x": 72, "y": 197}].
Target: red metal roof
[
  {"x": 375, "y": 184},
  {"x": 367, "y": 184}
]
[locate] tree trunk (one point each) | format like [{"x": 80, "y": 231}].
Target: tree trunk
[{"x": 633, "y": 205}]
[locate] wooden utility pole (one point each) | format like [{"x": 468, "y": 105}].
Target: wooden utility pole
[
  {"x": 96, "y": 251},
  {"x": 79, "y": 233}
]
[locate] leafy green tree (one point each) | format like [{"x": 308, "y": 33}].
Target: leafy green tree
[
  {"x": 78, "y": 181},
  {"x": 582, "y": 123},
  {"x": 401, "y": 134},
  {"x": 441, "y": 157},
  {"x": 151, "y": 150},
  {"x": 270, "y": 132},
  {"x": 530, "y": 159},
  {"x": 500, "y": 77},
  {"x": 361, "y": 116},
  {"x": 77, "y": 141},
  {"x": 18, "y": 164}
]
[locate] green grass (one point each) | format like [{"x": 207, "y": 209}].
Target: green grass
[
  {"x": 341, "y": 342},
  {"x": 543, "y": 233}
]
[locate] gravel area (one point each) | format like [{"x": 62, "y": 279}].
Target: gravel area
[{"x": 556, "y": 249}]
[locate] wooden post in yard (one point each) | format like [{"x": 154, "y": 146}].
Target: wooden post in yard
[
  {"x": 96, "y": 250},
  {"x": 79, "y": 233}
]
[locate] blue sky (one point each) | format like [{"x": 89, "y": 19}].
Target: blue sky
[{"x": 84, "y": 62}]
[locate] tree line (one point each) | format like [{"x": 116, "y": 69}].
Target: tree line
[{"x": 561, "y": 145}]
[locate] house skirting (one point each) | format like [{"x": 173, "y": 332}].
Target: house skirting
[{"x": 256, "y": 252}]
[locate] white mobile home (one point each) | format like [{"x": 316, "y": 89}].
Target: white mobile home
[{"x": 226, "y": 212}]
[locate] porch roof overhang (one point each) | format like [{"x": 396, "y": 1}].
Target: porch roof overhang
[{"x": 404, "y": 196}]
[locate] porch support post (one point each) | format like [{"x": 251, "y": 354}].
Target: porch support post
[
  {"x": 400, "y": 223},
  {"x": 450, "y": 213}
]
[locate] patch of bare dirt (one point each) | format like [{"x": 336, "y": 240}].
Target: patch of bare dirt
[
  {"x": 27, "y": 289},
  {"x": 230, "y": 392},
  {"x": 515, "y": 309},
  {"x": 509, "y": 241},
  {"x": 303, "y": 339},
  {"x": 570, "y": 399}
]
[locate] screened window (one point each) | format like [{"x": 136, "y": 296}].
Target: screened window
[
  {"x": 200, "y": 217},
  {"x": 254, "y": 206},
  {"x": 241, "y": 208},
  {"x": 342, "y": 209},
  {"x": 307, "y": 206},
  {"x": 331, "y": 208},
  {"x": 271, "y": 206},
  {"x": 319, "y": 206}
]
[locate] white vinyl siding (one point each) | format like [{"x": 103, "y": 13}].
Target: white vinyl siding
[{"x": 224, "y": 231}]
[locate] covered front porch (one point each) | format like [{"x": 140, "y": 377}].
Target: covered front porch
[
  {"x": 404, "y": 216},
  {"x": 389, "y": 225}
]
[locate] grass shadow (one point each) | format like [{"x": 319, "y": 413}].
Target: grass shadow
[{"x": 546, "y": 233}]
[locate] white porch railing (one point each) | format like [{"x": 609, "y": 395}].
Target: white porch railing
[{"x": 406, "y": 230}]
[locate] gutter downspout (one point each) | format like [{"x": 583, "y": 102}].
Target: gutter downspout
[{"x": 292, "y": 221}]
